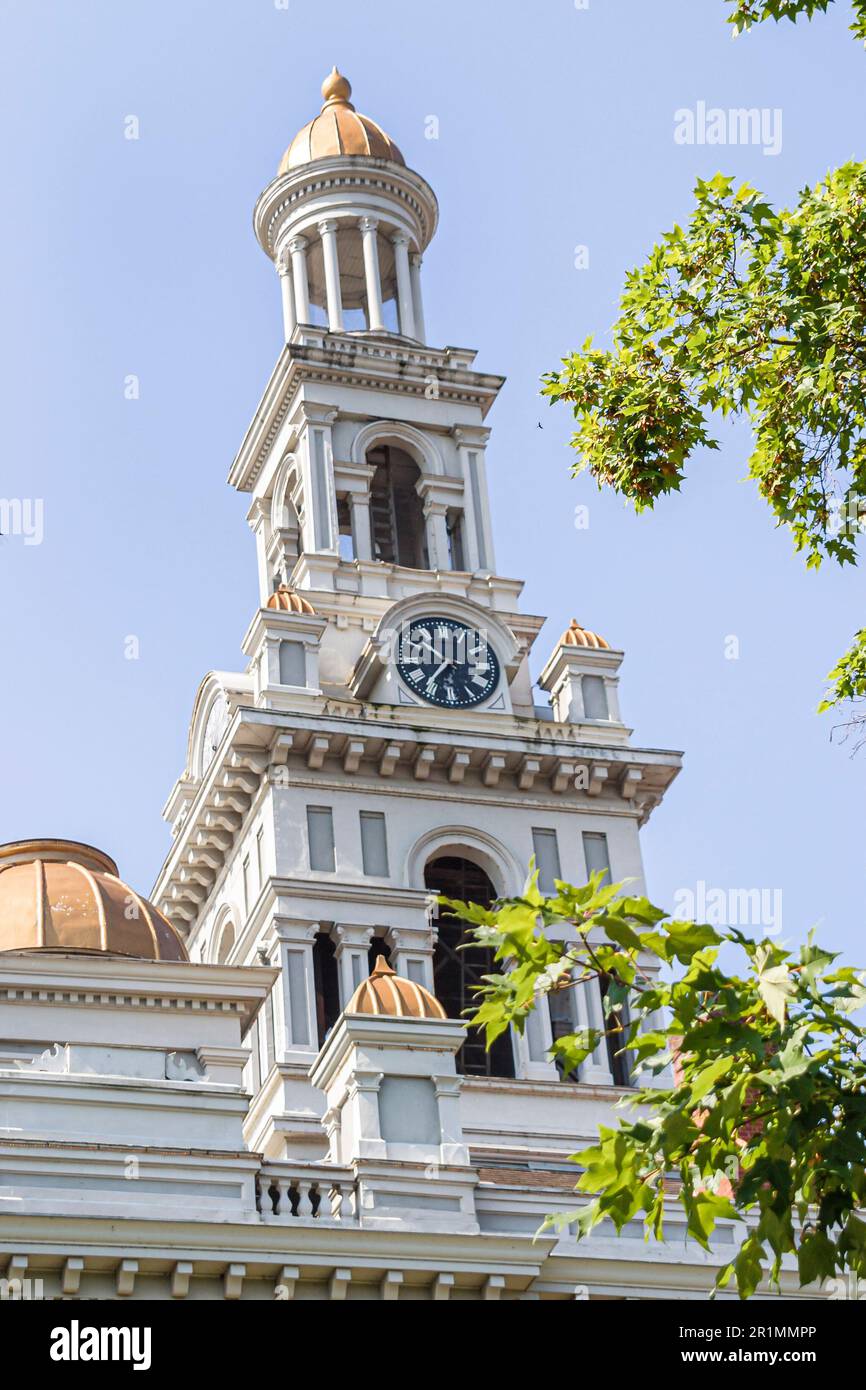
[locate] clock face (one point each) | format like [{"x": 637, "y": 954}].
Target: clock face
[{"x": 447, "y": 663}]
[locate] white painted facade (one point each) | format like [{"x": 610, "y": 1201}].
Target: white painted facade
[{"x": 381, "y": 1172}]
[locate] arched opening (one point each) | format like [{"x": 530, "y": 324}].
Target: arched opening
[
  {"x": 456, "y": 971},
  {"x": 399, "y": 534},
  {"x": 326, "y": 981},
  {"x": 225, "y": 943}
]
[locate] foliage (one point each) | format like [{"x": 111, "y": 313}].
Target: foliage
[
  {"x": 751, "y": 313},
  {"x": 745, "y": 13},
  {"x": 848, "y": 677},
  {"x": 755, "y": 314},
  {"x": 766, "y": 1122}
]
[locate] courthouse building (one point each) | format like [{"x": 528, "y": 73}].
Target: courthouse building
[{"x": 256, "y": 1084}]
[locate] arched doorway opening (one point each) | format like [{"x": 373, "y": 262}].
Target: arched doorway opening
[
  {"x": 397, "y": 523},
  {"x": 456, "y": 972}
]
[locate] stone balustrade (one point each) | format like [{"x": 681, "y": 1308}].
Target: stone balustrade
[{"x": 305, "y": 1192}]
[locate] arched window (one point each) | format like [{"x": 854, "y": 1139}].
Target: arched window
[
  {"x": 457, "y": 971},
  {"x": 396, "y": 511}
]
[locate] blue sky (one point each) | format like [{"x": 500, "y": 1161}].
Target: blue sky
[{"x": 120, "y": 257}]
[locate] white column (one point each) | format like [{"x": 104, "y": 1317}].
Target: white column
[
  {"x": 363, "y": 1097},
  {"x": 435, "y": 514},
  {"x": 454, "y": 1147},
  {"x": 353, "y": 945},
  {"x": 361, "y": 530},
  {"x": 298, "y": 250},
  {"x": 590, "y": 1014},
  {"x": 404, "y": 284},
  {"x": 287, "y": 289},
  {"x": 478, "y": 536},
  {"x": 412, "y": 953},
  {"x": 294, "y": 995},
  {"x": 415, "y": 261},
  {"x": 258, "y": 518},
  {"x": 370, "y": 238},
  {"x": 328, "y": 233}
]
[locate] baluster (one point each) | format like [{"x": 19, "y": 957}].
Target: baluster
[
  {"x": 336, "y": 1199},
  {"x": 275, "y": 1194},
  {"x": 315, "y": 1197}
]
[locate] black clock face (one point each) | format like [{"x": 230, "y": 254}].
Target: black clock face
[{"x": 447, "y": 663}]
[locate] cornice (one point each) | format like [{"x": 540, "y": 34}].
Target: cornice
[
  {"x": 113, "y": 982},
  {"x": 318, "y": 356},
  {"x": 290, "y": 193}
]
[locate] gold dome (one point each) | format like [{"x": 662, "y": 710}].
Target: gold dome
[
  {"x": 387, "y": 993},
  {"x": 577, "y": 636},
  {"x": 339, "y": 130},
  {"x": 57, "y": 895},
  {"x": 288, "y": 600}
]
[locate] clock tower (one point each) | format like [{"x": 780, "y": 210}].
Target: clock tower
[{"x": 382, "y": 742}]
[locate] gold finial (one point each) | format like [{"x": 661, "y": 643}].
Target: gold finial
[
  {"x": 382, "y": 967},
  {"x": 336, "y": 89}
]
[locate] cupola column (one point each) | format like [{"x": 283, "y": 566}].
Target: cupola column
[
  {"x": 415, "y": 262},
  {"x": 404, "y": 284},
  {"x": 328, "y": 233},
  {"x": 287, "y": 289},
  {"x": 370, "y": 238},
  {"x": 298, "y": 252}
]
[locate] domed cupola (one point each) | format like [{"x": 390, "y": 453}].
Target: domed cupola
[
  {"x": 386, "y": 994},
  {"x": 346, "y": 224},
  {"x": 57, "y": 895},
  {"x": 339, "y": 130}
]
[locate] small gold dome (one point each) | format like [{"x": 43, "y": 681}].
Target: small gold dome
[
  {"x": 387, "y": 993},
  {"x": 57, "y": 895},
  {"x": 577, "y": 636},
  {"x": 339, "y": 130},
  {"x": 288, "y": 600}
]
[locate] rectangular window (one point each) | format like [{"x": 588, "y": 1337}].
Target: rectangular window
[
  {"x": 374, "y": 844},
  {"x": 595, "y": 853},
  {"x": 293, "y": 664},
  {"x": 546, "y": 851},
  {"x": 595, "y": 698},
  {"x": 264, "y": 1064},
  {"x": 246, "y": 874},
  {"x": 260, "y": 835},
  {"x": 320, "y": 838}
]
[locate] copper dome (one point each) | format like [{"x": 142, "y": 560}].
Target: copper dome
[
  {"x": 390, "y": 994},
  {"x": 57, "y": 895},
  {"x": 339, "y": 130},
  {"x": 288, "y": 600},
  {"x": 577, "y": 636}
]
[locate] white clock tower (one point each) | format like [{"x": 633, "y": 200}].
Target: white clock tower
[{"x": 382, "y": 742}]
